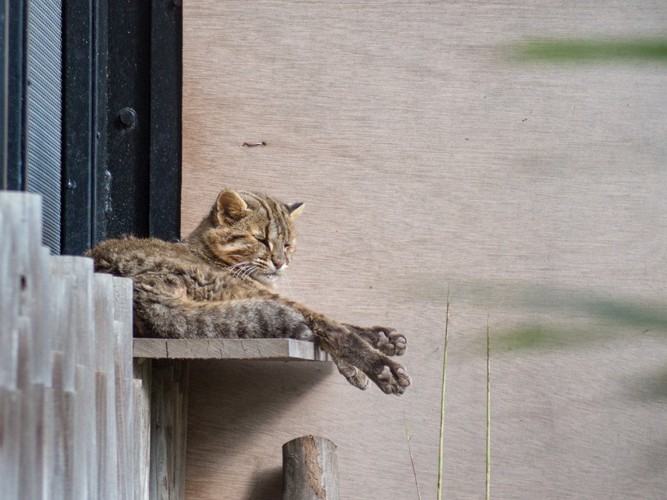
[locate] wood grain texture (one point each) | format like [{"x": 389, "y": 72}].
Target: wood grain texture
[
  {"x": 142, "y": 428},
  {"x": 310, "y": 469},
  {"x": 169, "y": 399},
  {"x": 65, "y": 424},
  {"x": 429, "y": 159},
  {"x": 107, "y": 431},
  {"x": 124, "y": 418}
]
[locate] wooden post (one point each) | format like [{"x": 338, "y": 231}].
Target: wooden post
[
  {"x": 168, "y": 413},
  {"x": 310, "y": 469}
]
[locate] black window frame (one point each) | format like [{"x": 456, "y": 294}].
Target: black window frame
[
  {"x": 13, "y": 61},
  {"x": 121, "y": 116}
]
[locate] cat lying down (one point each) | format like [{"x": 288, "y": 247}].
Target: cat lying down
[{"x": 219, "y": 283}]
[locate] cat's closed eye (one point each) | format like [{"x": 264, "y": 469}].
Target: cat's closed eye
[{"x": 261, "y": 238}]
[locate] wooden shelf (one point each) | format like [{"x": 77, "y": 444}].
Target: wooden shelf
[
  {"x": 263, "y": 349},
  {"x": 162, "y": 367}
]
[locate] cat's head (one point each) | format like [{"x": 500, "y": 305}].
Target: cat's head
[{"x": 251, "y": 234}]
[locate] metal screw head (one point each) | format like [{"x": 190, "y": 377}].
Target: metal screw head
[{"x": 127, "y": 117}]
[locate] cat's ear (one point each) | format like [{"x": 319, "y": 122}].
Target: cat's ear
[
  {"x": 230, "y": 207},
  {"x": 295, "y": 209}
]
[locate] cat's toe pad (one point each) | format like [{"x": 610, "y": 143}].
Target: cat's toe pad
[
  {"x": 393, "y": 380},
  {"x": 391, "y": 342},
  {"x": 385, "y": 374}
]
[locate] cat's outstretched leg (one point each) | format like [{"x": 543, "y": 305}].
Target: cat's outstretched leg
[
  {"x": 390, "y": 376},
  {"x": 349, "y": 351},
  {"x": 353, "y": 375},
  {"x": 385, "y": 339}
]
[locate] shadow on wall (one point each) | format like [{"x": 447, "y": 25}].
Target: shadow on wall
[
  {"x": 650, "y": 388},
  {"x": 266, "y": 483}
]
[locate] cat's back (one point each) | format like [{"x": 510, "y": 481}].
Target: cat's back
[{"x": 132, "y": 256}]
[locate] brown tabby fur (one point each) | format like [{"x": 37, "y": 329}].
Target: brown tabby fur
[{"x": 219, "y": 283}]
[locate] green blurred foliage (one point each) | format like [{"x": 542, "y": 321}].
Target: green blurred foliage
[{"x": 591, "y": 50}]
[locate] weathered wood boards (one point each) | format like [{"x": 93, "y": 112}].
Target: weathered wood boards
[
  {"x": 66, "y": 391},
  {"x": 168, "y": 406}
]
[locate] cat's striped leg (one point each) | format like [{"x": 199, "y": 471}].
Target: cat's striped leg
[
  {"x": 353, "y": 375},
  {"x": 163, "y": 309},
  {"x": 350, "y": 351}
]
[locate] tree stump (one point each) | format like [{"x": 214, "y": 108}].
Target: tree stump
[{"x": 310, "y": 469}]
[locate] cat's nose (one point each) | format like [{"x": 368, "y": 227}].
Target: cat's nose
[{"x": 279, "y": 263}]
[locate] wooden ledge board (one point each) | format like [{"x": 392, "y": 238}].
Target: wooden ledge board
[{"x": 275, "y": 349}]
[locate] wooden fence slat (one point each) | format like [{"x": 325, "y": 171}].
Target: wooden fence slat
[
  {"x": 84, "y": 321},
  {"x": 61, "y": 409},
  {"x": 62, "y": 283},
  {"x": 8, "y": 304},
  {"x": 19, "y": 222},
  {"x": 122, "y": 289},
  {"x": 53, "y": 448},
  {"x": 105, "y": 469},
  {"x": 106, "y": 387},
  {"x": 81, "y": 434},
  {"x": 22, "y": 237},
  {"x": 103, "y": 293},
  {"x": 10, "y": 446},
  {"x": 30, "y": 456},
  {"x": 40, "y": 313}
]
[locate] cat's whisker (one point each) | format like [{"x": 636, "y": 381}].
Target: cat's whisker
[
  {"x": 248, "y": 271},
  {"x": 241, "y": 269},
  {"x": 234, "y": 267}
]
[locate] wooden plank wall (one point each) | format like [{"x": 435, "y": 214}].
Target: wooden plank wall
[
  {"x": 68, "y": 424},
  {"x": 431, "y": 160}
]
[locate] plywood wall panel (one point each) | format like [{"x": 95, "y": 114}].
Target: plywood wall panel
[{"x": 430, "y": 160}]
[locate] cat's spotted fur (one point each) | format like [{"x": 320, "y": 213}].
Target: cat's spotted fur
[{"x": 219, "y": 283}]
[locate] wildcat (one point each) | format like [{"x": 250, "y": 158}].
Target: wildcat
[{"x": 219, "y": 283}]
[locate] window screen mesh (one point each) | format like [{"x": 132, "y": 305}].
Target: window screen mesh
[{"x": 44, "y": 112}]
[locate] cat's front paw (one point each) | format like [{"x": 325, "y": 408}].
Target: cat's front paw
[
  {"x": 390, "y": 342},
  {"x": 392, "y": 379},
  {"x": 387, "y": 340}
]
